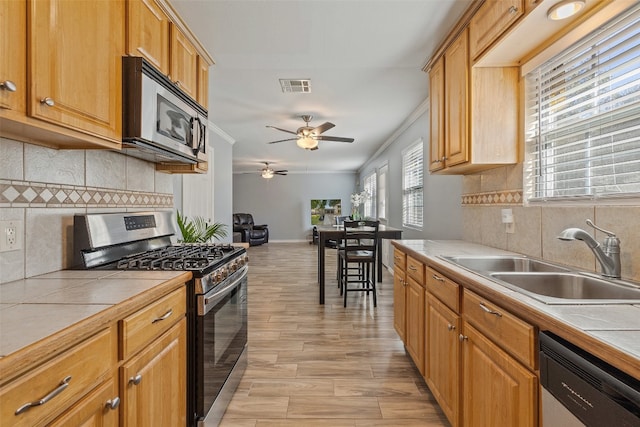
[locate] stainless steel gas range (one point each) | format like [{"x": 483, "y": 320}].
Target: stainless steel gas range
[{"x": 216, "y": 297}]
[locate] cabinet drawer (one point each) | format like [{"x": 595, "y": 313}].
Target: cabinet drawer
[
  {"x": 509, "y": 332},
  {"x": 415, "y": 269},
  {"x": 444, "y": 289},
  {"x": 400, "y": 259},
  {"x": 80, "y": 367},
  {"x": 148, "y": 323}
]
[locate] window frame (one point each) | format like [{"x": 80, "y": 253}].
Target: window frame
[
  {"x": 410, "y": 190},
  {"x": 369, "y": 184}
]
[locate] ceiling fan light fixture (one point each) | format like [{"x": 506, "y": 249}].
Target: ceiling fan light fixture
[
  {"x": 565, "y": 9},
  {"x": 307, "y": 143},
  {"x": 267, "y": 173}
]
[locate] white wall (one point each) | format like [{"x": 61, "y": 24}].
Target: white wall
[
  {"x": 284, "y": 202},
  {"x": 442, "y": 194}
]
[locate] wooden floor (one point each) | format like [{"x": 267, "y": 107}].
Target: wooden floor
[{"x": 313, "y": 365}]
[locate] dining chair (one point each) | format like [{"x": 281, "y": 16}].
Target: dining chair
[{"x": 357, "y": 257}]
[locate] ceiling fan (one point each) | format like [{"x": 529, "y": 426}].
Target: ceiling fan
[
  {"x": 307, "y": 137},
  {"x": 267, "y": 172}
]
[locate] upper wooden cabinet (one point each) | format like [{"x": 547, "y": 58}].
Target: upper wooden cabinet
[
  {"x": 70, "y": 94},
  {"x": 13, "y": 44},
  {"x": 473, "y": 114},
  {"x": 152, "y": 32},
  {"x": 184, "y": 62},
  {"x": 490, "y": 21},
  {"x": 148, "y": 33},
  {"x": 75, "y": 65}
]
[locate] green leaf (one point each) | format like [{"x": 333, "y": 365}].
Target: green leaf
[{"x": 199, "y": 230}]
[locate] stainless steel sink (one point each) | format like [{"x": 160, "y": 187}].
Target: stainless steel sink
[
  {"x": 547, "y": 282},
  {"x": 503, "y": 264},
  {"x": 570, "y": 288}
]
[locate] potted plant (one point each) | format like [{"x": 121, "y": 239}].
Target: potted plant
[{"x": 199, "y": 230}]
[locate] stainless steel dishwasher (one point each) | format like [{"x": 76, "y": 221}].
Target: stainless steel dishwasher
[{"x": 578, "y": 389}]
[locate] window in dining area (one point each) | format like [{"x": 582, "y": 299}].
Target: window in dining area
[
  {"x": 369, "y": 184},
  {"x": 412, "y": 185}
]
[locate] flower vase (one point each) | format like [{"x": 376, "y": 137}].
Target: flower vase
[{"x": 355, "y": 215}]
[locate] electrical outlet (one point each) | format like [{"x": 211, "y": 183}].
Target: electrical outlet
[{"x": 10, "y": 235}]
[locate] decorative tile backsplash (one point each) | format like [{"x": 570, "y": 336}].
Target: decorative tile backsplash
[
  {"x": 39, "y": 194},
  {"x": 502, "y": 197}
]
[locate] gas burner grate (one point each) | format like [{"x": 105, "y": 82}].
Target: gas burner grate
[{"x": 179, "y": 257}]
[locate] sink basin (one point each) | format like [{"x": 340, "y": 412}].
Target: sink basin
[
  {"x": 570, "y": 288},
  {"x": 504, "y": 264}
]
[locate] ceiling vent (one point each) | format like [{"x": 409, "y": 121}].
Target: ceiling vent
[{"x": 295, "y": 85}]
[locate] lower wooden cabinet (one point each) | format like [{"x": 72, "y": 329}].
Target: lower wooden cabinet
[
  {"x": 442, "y": 367},
  {"x": 153, "y": 383},
  {"x": 414, "y": 308},
  {"x": 399, "y": 283},
  {"x": 498, "y": 391},
  {"x": 100, "y": 408}
]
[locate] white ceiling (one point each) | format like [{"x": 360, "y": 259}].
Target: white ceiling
[{"x": 364, "y": 59}]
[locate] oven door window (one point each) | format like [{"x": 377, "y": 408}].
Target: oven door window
[
  {"x": 224, "y": 335},
  {"x": 173, "y": 122}
]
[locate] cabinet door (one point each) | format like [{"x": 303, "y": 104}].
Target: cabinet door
[
  {"x": 436, "y": 113},
  {"x": 415, "y": 322},
  {"x": 75, "y": 55},
  {"x": 203, "y": 82},
  {"x": 497, "y": 390},
  {"x": 456, "y": 98},
  {"x": 184, "y": 62},
  {"x": 13, "y": 50},
  {"x": 98, "y": 409},
  {"x": 399, "y": 302},
  {"x": 153, "y": 383},
  {"x": 148, "y": 33},
  {"x": 490, "y": 21},
  {"x": 442, "y": 355}
]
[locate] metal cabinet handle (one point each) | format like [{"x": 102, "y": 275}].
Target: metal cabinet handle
[
  {"x": 444, "y": 158},
  {"x": 462, "y": 338},
  {"x": 412, "y": 268},
  {"x": 438, "y": 278},
  {"x": 47, "y": 101},
  {"x": 164, "y": 316},
  {"x": 63, "y": 385},
  {"x": 112, "y": 403},
  {"x": 451, "y": 327},
  {"x": 513, "y": 10},
  {"x": 178, "y": 84},
  {"x": 135, "y": 380},
  {"x": 8, "y": 85},
  {"x": 488, "y": 310}
]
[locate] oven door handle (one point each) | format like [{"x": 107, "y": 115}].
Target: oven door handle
[{"x": 210, "y": 300}]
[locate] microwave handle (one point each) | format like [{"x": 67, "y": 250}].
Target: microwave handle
[{"x": 195, "y": 121}]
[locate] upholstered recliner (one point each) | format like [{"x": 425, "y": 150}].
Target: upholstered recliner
[{"x": 250, "y": 232}]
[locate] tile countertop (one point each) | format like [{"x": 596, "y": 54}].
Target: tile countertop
[
  {"x": 615, "y": 325},
  {"x": 35, "y": 308}
]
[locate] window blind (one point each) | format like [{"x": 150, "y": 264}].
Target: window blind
[
  {"x": 370, "y": 203},
  {"x": 412, "y": 186},
  {"x": 382, "y": 192},
  {"x": 583, "y": 117}
]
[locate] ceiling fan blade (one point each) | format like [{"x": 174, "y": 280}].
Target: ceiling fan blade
[
  {"x": 322, "y": 128},
  {"x": 281, "y": 172},
  {"x": 283, "y": 130},
  {"x": 333, "y": 138},
  {"x": 282, "y": 140}
]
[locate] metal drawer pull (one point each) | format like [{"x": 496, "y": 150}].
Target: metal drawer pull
[
  {"x": 462, "y": 338},
  {"x": 488, "y": 310},
  {"x": 164, "y": 316},
  {"x": 438, "y": 278},
  {"x": 451, "y": 327},
  {"x": 63, "y": 384},
  {"x": 8, "y": 85},
  {"x": 513, "y": 10},
  {"x": 112, "y": 403},
  {"x": 412, "y": 268},
  {"x": 135, "y": 380},
  {"x": 47, "y": 101}
]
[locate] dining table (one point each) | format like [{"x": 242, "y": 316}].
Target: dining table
[{"x": 334, "y": 232}]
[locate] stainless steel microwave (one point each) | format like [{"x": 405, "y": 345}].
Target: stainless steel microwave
[{"x": 160, "y": 123}]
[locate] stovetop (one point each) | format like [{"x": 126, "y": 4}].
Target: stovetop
[{"x": 200, "y": 259}]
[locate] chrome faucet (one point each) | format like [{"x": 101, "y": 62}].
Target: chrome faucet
[{"x": 609, "y": 258}]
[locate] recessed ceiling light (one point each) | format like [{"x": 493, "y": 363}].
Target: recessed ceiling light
[
  {"x": 565, "y": 9},
  {"x": 295, "y": 85}
]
